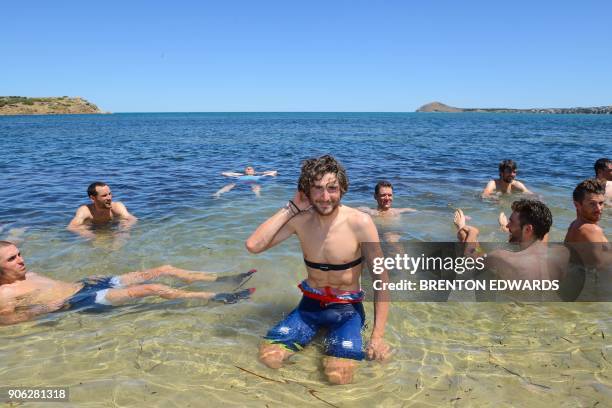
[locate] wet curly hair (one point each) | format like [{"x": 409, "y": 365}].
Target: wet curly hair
[
  {"x": 536, "y": 213},
  {"x": 592, "y": 186},
  {"x": 315, "y": 168}
]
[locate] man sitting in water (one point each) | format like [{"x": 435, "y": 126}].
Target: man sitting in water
[
  {"x": 585, "y": 231},
  {"x": 383, "y": 194},
  {"x": 603, "y": 172},
  {"x": 25, "y": 295},
  {"x": 250, "y": 176},
  {"x": 332, "y": 238},
  {"x": 506, "y": 183},
  {"x": 528, "y": 225},
  {"x": 102, "y": 210}
]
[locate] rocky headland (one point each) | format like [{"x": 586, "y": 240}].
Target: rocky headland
[
  {"x": 440, "y": 107},
  {"x": 20, "y": 105}
]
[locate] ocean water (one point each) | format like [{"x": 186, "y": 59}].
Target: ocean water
[{"x": 166, "y": 167}]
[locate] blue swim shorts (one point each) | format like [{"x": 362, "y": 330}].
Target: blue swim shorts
[
  {"x": 92, "y": 296},
  {"x": 344, "y": 322}
]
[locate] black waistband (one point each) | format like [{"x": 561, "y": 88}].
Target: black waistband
[{"x": 332, "y": 267}]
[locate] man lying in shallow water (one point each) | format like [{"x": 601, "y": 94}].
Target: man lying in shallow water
[{"x": 25, "y": 295}]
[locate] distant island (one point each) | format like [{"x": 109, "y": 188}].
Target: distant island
[
  {"x": 21, "y": 105},
  {"x": 440, "y": 107}
]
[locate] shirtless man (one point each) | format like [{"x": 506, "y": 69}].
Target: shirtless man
[
  {"x": 603, "y": 172},
  {"x": 25, "y": 295},
  {"x": 528, "y": 225},
  {"x": 383, "y": 194},
  {"x": 589, "y": 202},
  {"x": 332, "y": 238},
  {"x": 249, "y": 175},
  {"x": 506, "y": 183},
  {"x": 102, "y": 210}
]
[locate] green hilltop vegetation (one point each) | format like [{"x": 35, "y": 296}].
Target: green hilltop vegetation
[{"x": 22, "y": 105}]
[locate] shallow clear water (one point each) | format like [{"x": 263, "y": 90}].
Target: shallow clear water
[{"x": 165, "y": 168}]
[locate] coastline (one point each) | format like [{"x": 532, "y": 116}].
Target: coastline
[{"x": 438, "y": 107}]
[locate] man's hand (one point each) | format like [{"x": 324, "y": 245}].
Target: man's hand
[
  {"x": 378, "y": 349},
  {"x": 503, "y": 222},
  {"x": 301, "y": 201}
]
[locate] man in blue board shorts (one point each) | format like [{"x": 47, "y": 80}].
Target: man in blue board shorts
[
  {"x": 332, "y": 238},
  {"x": 25, "y": 295}
]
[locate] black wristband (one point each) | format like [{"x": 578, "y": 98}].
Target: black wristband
[
  {"x": 289, "y": 208},
  {"x": 295, "y": 206}
]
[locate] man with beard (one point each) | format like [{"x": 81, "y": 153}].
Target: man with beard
[
  {"x": 584, "y": 234},
  {"x": 102, "y": 210},
  {"x": 506, "y": 183},
  {"x": 528, "y": 225},
  {"x": 333, "y": 238},
  {"x": 603, "y": 172},
  {"x": 24, "y": 295}
]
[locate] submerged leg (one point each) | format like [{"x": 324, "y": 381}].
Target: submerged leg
[
  {"x": 166, "y": 270},
  {"x": 224, "y": 189},
  {"x": 339, "y": 370},
  {"x": 133, "y": 278},
  {"x": 117, "y": 296}
]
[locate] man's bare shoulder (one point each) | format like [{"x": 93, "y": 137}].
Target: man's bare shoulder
[
  {"x": 84, "y": 211},
  {"x": 356, "y": 216},
  {"x": 362, "y": 225},
  {"x": 118, "y": 206},
  {"x": 587, "y": 232},
  {"x": 368, "y": 210},
  {"x": 502, "y": 262},
  {"x": 11, "y": 290},
  {"x": 500, "y": 254},
  {"x": 518, "y": 185}
]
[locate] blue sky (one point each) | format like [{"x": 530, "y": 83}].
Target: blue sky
[{"x": 199, "y": 56}]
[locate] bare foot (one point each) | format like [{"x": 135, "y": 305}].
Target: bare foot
[
  {"x": 273, "y": 355},
  {"x": 339, "y": 370},
  {"x": 503, "y": 222},
  {"x": 459, "y": 219}
]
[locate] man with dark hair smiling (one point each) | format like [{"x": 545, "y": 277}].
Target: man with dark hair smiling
[
  {"x": 506, "y": 183},
  {"x": 102, "y": 210},
  {"x": 333, "y": 238},
  {"x": 528, "y": 225},
  {"x": 383, "y": 194}
]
